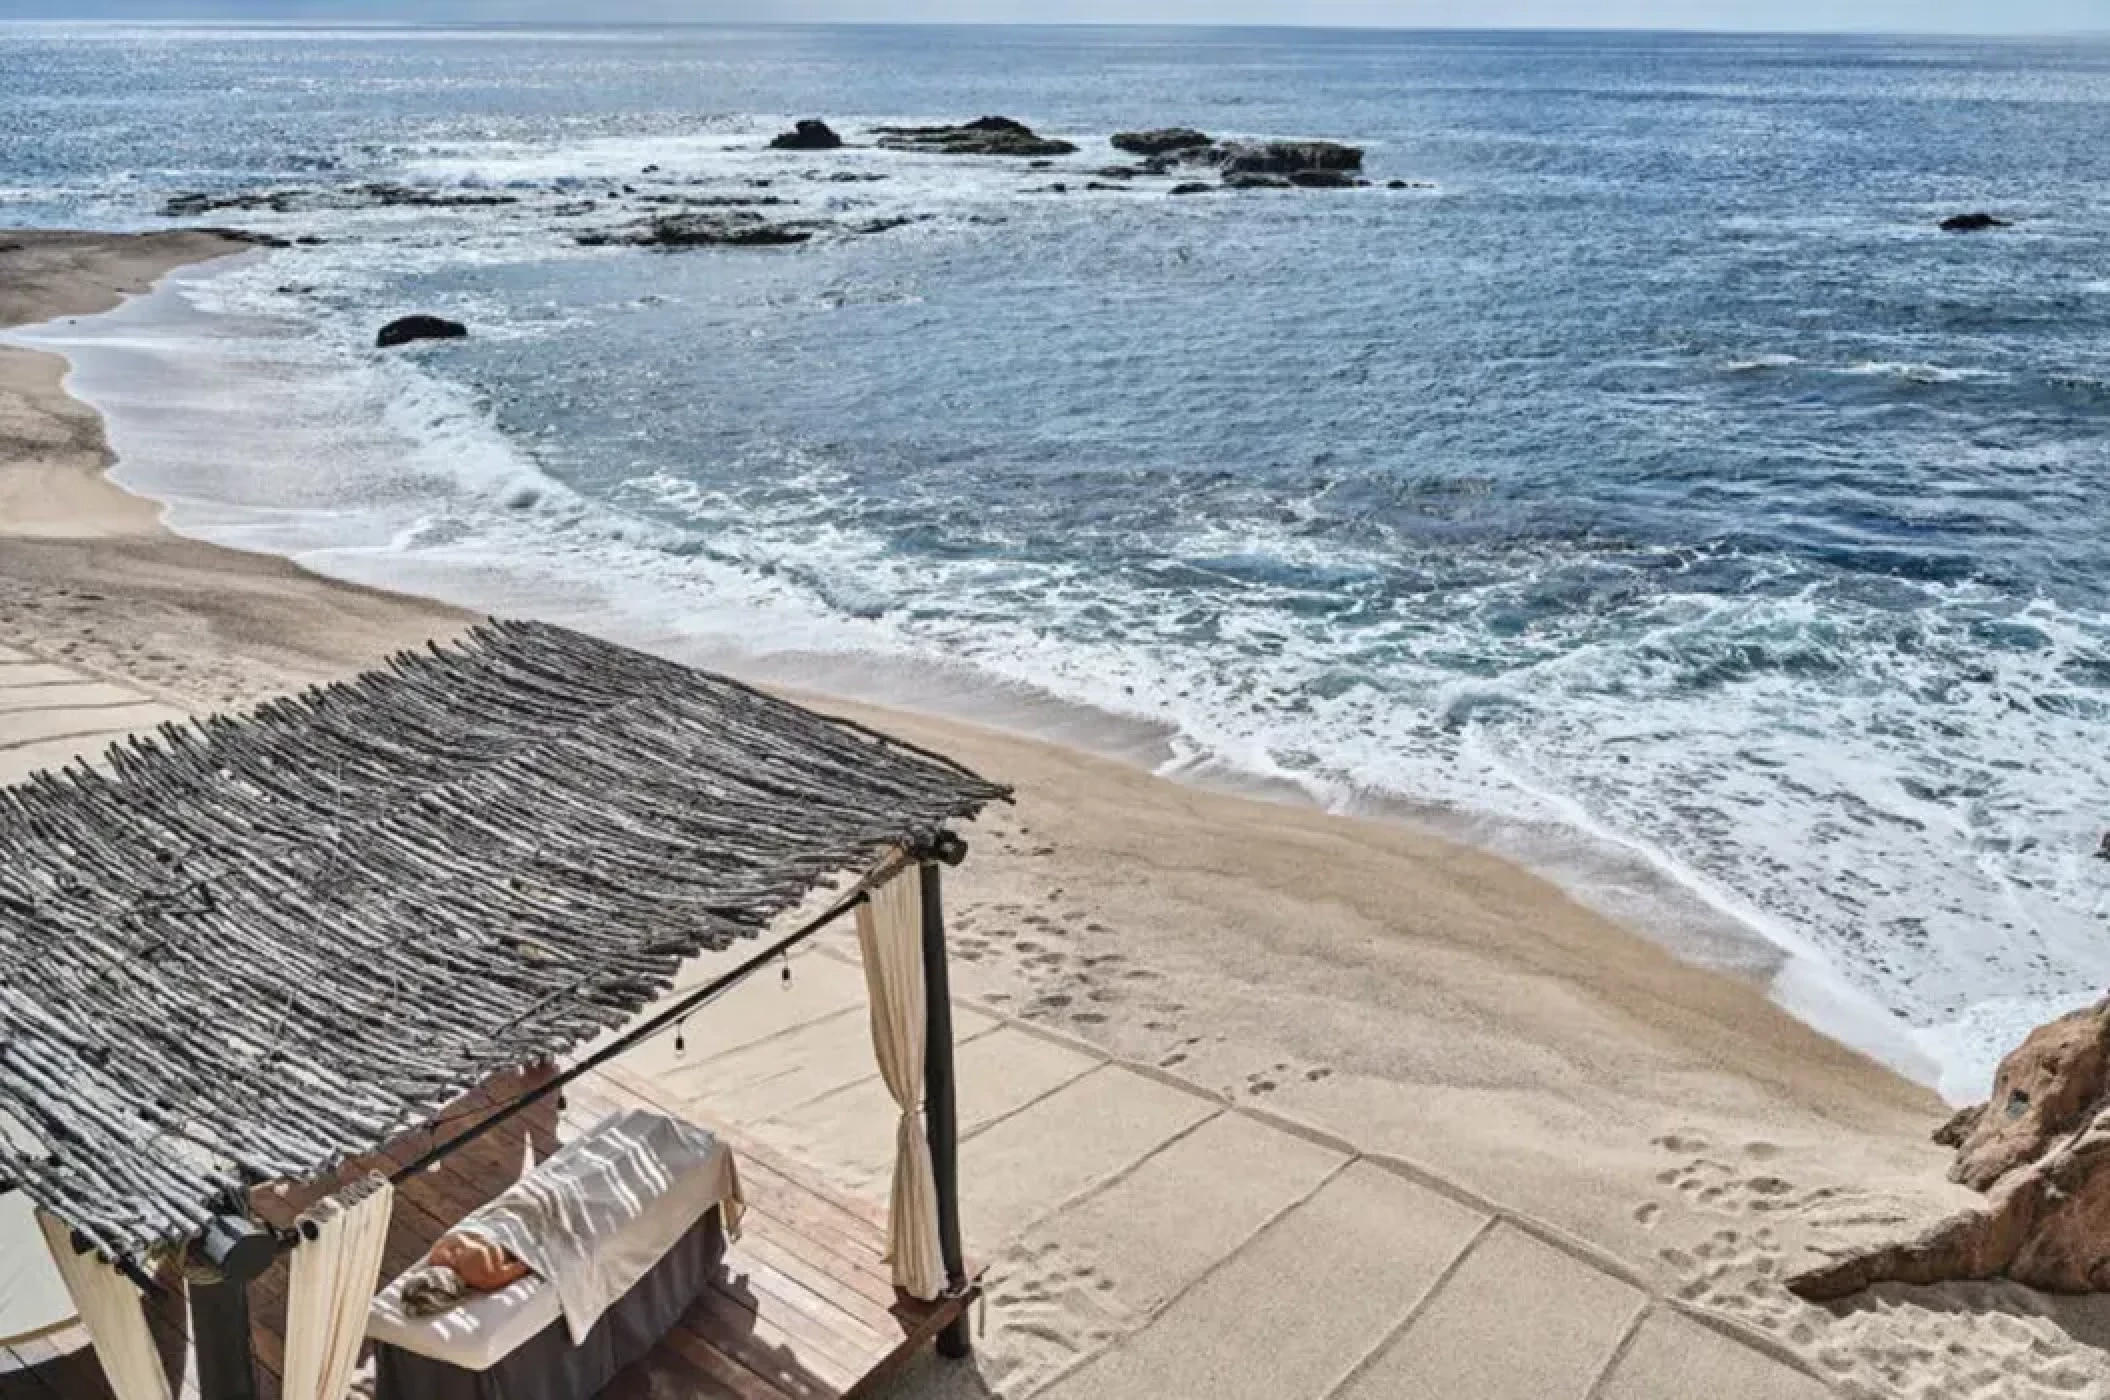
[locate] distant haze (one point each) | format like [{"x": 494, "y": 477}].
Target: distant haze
[{"x": 1924, "y": 16}]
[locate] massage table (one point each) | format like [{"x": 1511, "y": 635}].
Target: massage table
[{"x": 526, "y": 1341}]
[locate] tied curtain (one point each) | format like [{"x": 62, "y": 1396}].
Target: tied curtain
[
  {"x": 333, "y": 1280},
  {"x": 890, "y": 941},
  {"x": 112, "y": 1311}
]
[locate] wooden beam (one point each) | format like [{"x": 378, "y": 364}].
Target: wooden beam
[{"x": 236, "y": 1251}]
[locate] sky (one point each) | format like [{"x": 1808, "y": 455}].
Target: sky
[{"x": 1922, "y": 16}]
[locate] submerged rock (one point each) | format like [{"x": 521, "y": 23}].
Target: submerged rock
[
  {"x": 732, "y": 228},
  {"x": 405, "y": 329},
  {"x": 984, "y": 136},
  {"x": 1971, "y": 223},
  {"x": 2040, "y": 1150},
  {"x": 375, "y": 194},
  {"x": 808, "y": 135},
  {"x": 1194, "y": 187},
  {"x": 1159, "y": 142}
]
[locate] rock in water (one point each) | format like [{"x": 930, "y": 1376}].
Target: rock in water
[
  {"x": 984, "y": 136},
  {"x": 2040, "y": 1149},
  {"x": 1971, "y": 223},
  {"x": 409, "y": 328},
  {"x": 1281, "y": 157},
  {"x": 1163, "y": 141},
  {"x": 1192, "y": 187},
  {"x": 1245, "y": 180},
  {"x": 732, "y": 228},
  {"x": 1323, "y": 179},
  {"x": 808, "y": 135}
]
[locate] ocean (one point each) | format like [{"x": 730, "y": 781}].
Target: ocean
[{"x": 1650, "y": 490}]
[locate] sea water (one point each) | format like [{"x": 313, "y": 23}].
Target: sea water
[{"x": 1651, "y": 490}]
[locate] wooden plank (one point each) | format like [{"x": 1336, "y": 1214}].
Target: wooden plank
[
  {"x": 926, "y": 1321},
  {"x": 666, "y": 1374},
  {"x": 852, "y": 1353},
  {"x": 842, "y": 1295},
  {"x": 762, "y": 1347},
  {"x": 722, "y": 1369}
]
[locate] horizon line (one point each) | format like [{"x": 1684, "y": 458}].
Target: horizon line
[{"x": 1702, "y": 31}]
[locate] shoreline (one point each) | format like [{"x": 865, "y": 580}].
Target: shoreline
[
  {"x": 203, "y": 625},
  {"x": 71, "y": 518},
  {"x": 1364, "y": 980},
  {"x": 1632, "y": 884}
]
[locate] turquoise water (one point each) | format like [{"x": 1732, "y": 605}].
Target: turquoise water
[{"x": 1652, "y": 491}]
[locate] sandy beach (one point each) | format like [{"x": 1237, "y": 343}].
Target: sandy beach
[{"x": 1396, "y": 1003}]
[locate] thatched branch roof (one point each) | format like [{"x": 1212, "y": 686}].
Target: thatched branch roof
[{"x": 258, "y": 945}]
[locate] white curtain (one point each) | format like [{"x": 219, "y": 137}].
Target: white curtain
[
  {"x": 334, "y": 1277},
  {"x": 112, "y": 1311},
  {"x": 890, "y": 938}
]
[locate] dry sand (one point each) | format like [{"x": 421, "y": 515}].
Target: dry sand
[{"x": 1258, "y": 1100}]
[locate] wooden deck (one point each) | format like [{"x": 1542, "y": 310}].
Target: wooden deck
[{"x": 804, "y": 1308}]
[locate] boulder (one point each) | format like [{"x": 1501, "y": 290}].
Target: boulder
[
  {"x": 1193, "y": 187},
  {"x": 1971, "y": 223},
  {"x": 1322, "y": 179},
  {"x": 1162, "y": 141},
  {"x": 2040, "y": 1150},
  {"x": 408, "y": 328},
  {"x": 984, "y": 136},
  {"x": 808, "y": 135},
  {"x": 2047, "y": 1087}
]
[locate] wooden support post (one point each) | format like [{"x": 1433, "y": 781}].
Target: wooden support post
[
  {"x": 940, "y": 1106},
  {"x": 235, "y": 1251}
]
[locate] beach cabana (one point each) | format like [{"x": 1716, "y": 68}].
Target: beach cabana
[{"x": 266, "y": 978}]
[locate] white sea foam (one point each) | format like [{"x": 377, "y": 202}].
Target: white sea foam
[{"x": 1895, "y": 856}]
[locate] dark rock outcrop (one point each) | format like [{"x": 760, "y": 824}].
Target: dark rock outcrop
[
  {"x": 2040, "y": 1150},
  {"x": 808, "y": 135},
  {"x": 1322, "y": 179},
  {"x": 984, "y": 136},
  {"x": 1245, "y": 180},
  {"x": 1160, "y": 142},
  {"x": 713, "y": 201},
  {"x": 1194, "y": 187},
  {"x": 408, "y": 328},
  {"x": 1971, "y": 223},
  {"x": 377, "y": 194},
  {"x": 1280, "y": 157},
  {"x": 732, "y": 228}
]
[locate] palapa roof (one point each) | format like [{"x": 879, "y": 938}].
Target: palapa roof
[{"x": 260, "y": 944}]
